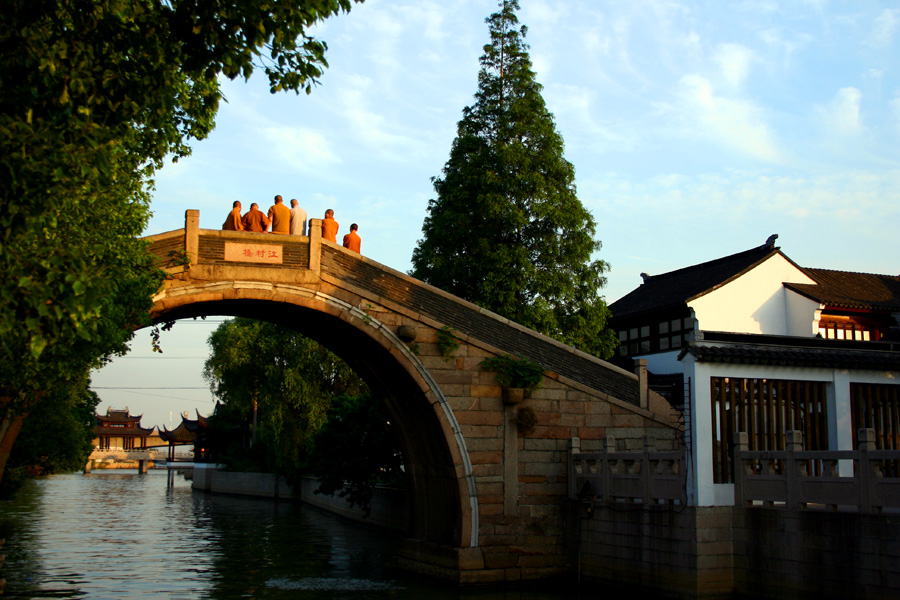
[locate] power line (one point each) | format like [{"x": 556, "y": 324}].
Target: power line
[
  {"x": 144, "y": 387},
  {"x": 163, "y": 357},
  {"x": 170, "y": 397}
]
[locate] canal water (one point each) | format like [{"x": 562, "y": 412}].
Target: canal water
[{"x": 119, "y": 534}]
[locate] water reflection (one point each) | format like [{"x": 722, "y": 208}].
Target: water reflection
[{"x": 124, "y": 535}]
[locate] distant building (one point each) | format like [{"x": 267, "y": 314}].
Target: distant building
[
  {"x": 119, "y": 430},
  {"x": 192, "y": 432},
  {"x": 753, "y": 342}
]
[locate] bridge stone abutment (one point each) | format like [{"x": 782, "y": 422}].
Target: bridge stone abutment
[{"x": 488, "y": 500}]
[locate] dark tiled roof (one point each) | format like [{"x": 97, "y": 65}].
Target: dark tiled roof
[
  {"x": 843, "y": 289},
  {"x": 179, "y": 434},
  {"x": 677, "y": 287},
  {"x": 118, "y": 416},
  {"x": 186, "y": 431},
  {"x": 786, "y": 356}
]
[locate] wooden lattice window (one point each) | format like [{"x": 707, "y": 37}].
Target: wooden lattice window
[
  {"x": 764, "y": 409},
  {"x": 861, "y": 328},
  {"x": 876, "y": 406}
]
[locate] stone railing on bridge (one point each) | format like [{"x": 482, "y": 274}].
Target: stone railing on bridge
[
  {"x": 794, "y": 478},
  {"x": 113, "y": 454},
  {"x": 611, "y": 477}
]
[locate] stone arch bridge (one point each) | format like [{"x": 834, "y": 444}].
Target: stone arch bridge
[{"x": 488, "y": 503}]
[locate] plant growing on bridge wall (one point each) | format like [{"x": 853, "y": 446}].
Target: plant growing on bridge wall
[
  {"x": 447, "y": 342},
  {"x": 367, "y": 318},
  {"x": 179, "y": 258},
  {"x": 515, "y": 372},
  {"x": 507, "y": 230}
]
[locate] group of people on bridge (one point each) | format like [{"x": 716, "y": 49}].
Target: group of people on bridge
[{"x": 287, "y": 221}]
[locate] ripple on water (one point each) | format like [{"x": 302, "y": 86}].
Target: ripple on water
[{"x": 325, "y": 584}]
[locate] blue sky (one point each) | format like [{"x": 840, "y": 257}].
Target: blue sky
[{"x": 696, "y": 129}]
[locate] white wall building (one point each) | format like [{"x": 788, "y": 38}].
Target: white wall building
[{"x": 753, "y": 342}]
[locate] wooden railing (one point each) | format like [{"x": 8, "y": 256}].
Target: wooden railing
[
  {"x": 610, "y": 477},
  {"x": 865, "y": 480}
]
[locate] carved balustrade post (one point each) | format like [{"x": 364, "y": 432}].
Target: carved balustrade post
[
  {"x": 646, "y": 481},
  {"x": 609, "y": 445},
  {"x": 574, "y": 448},
  {"x": 865, "y": 444},
  {"x": 793, "y": 443},
  {"x": 740, "y": 446}
]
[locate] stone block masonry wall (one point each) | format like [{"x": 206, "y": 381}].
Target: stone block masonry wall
[
  {"x": 683, "y": 553},
  {"x": 798, "y": 554},
  {"x": 723, "y": 552},
  {"x": 165, "y": 247}
]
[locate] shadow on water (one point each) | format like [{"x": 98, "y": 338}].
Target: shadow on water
[{"x": 124, "y": 535}]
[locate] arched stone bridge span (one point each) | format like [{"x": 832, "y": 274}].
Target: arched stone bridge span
[{"x": 488, "y": 502}]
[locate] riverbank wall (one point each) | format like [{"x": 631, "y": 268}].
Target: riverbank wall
[
  {"x": 388, "y": 507},
  {"x": 723, "y": 552}
]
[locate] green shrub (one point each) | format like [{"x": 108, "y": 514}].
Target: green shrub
[{"x": 514, "y": 372}]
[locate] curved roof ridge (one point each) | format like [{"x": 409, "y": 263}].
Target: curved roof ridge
[{"x": 681, "y": 285}]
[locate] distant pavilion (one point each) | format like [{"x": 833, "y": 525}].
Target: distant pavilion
[
  {"x": 120, "y": 430},
  {"x": 189, "y": 432}
]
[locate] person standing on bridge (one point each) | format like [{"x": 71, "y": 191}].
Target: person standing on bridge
[
  {"x": 233, "y": 221},
  {"x": 255, "y": 220},
  {"x": 298, "y": 219},
  {"x": 351, "y": 240},
  {"x": 329, "y": 226},
  {"x": 280, "y": 215}
]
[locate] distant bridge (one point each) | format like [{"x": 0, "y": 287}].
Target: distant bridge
[{"x": 488, "y": 502}]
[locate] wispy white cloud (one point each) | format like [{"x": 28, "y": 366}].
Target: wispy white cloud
[
  {"x": 370, "y": 127},
  {"x": 884, "y": 27},
  {"x": 732, "y": 122},
  {"x": 544, "y": 12},
  {"x": 758, "y": 6},
  {"x": 842, "y": 114},
  {"x": 734, "y": 62},
  {"x": 305, "y": 149},
  {"x": 858, "y": 199},
  {"x": 894, "y": 104},
  {"x": 785, "y": 45},
  {"x": 816, "y": 4}
]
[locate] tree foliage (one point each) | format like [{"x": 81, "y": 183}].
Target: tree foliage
[
  {"x": 94, "y": 95},
  {"x": 507, "y": 230},
  {"x": 291, "y": 378},
  {"x": 356, "y": 450},
  {"x": 57, "y": 437},
  {"x": 314, "y": 414}
]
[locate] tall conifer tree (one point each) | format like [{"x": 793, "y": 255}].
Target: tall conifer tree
[{"x": 507, "y": 230}]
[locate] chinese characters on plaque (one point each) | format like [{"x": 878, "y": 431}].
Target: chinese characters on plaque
[{"x": 257, "y": 253}]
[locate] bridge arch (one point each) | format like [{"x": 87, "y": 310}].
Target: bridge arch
[
  {"x": 489, "y": 499},
  {"x": 442, "y": 487}
]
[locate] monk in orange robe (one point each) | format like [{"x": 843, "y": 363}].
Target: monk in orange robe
[
  {"x": 329, "y": 226},
  {"x": 280, "y": 215},
  {"x": 351, "y": 240},
  {"x": 233, "y": 222},
  {"x": 255, "y": 220}
]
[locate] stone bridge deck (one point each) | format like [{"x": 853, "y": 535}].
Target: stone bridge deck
[{"x": 387, "y": 286}]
